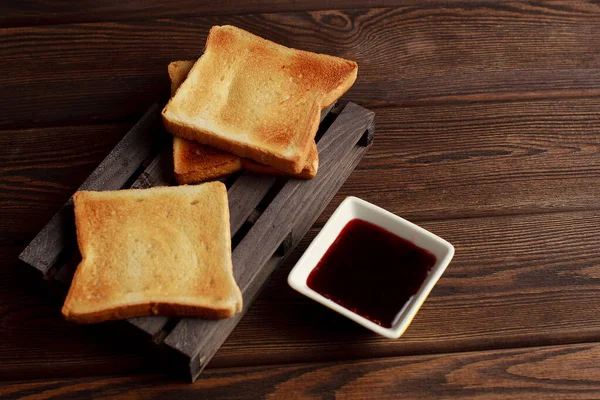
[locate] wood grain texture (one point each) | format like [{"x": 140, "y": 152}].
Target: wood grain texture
[
  {"x": 466, "y": 160},
  {"x": 432, "y": 161},
  {"x": 407, "y": 55},
  {"x": 487, "y": 135},
  {"x": 111, "y": 174},
  {"x": 41, "y": 168},
  {"x": 30, "y": 315},
  {"x": 32, "y": 12},
  {"x": 556, "y": 372},
  {"x": 451, "y": 161}
]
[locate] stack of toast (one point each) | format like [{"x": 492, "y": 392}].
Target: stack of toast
[
  {"x": 246, "y": 103},
  {"x": 194, "y": 162},
  {"x": 256, "y": 101}
]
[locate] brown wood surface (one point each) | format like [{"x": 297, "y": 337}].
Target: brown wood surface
[
  {"x": 562, "y": 371},
  {"x": 462, "y": 51},
  {"x": 15, "y": 13},
  {"x": 487, "y": 116}
]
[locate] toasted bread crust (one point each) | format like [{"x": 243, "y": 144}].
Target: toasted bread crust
[
  {"x": 147, "y": 310},
  {"x": 309, "y": 171},
  {"x": 196, "y": 163},
  {"x": 178, "y": 71},
  {"x": 292, "y": 165},
  {"x": 280, "y": 137},
  {"x": 158, "y": 251}
]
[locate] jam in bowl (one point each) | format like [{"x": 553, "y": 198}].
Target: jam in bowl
[{"x": 371, "y": 266}]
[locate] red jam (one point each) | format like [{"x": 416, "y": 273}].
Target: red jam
[{"x": 371, "y": 271}]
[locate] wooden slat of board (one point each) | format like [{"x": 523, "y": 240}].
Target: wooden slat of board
[
  {"x": 191, "y": 336},
  {"x": 244, "y": 195},
  {"x": 158, "y": 173},
  {"x": 112, "y": 173},
  {"x": 557, "y": 372},
  {"x": 301, "y": 228},
  {"x": 404, "y": 55}
]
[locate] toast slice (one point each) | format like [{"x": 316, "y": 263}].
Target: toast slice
[
  {"x": 194, "y": 162},
  {"x": 158, "y": 251},
  {"x": 257, "y": 99}
]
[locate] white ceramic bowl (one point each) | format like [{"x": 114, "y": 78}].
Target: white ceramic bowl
[{"x": 352, "y": 208}]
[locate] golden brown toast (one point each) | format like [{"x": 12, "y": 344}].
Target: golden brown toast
[
  {"x": 194, "y": 162},
  {"x": 158, "y": 251},
  {"x": 257, "y": 99}
]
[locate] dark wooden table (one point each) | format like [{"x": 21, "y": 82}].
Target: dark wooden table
[{"x": 488, "y": 118}]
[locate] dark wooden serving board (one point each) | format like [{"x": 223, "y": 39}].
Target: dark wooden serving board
[{"x": 269, "y": 217}]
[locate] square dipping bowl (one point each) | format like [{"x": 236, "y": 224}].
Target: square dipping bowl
[{"x": 355, "y": 208}]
